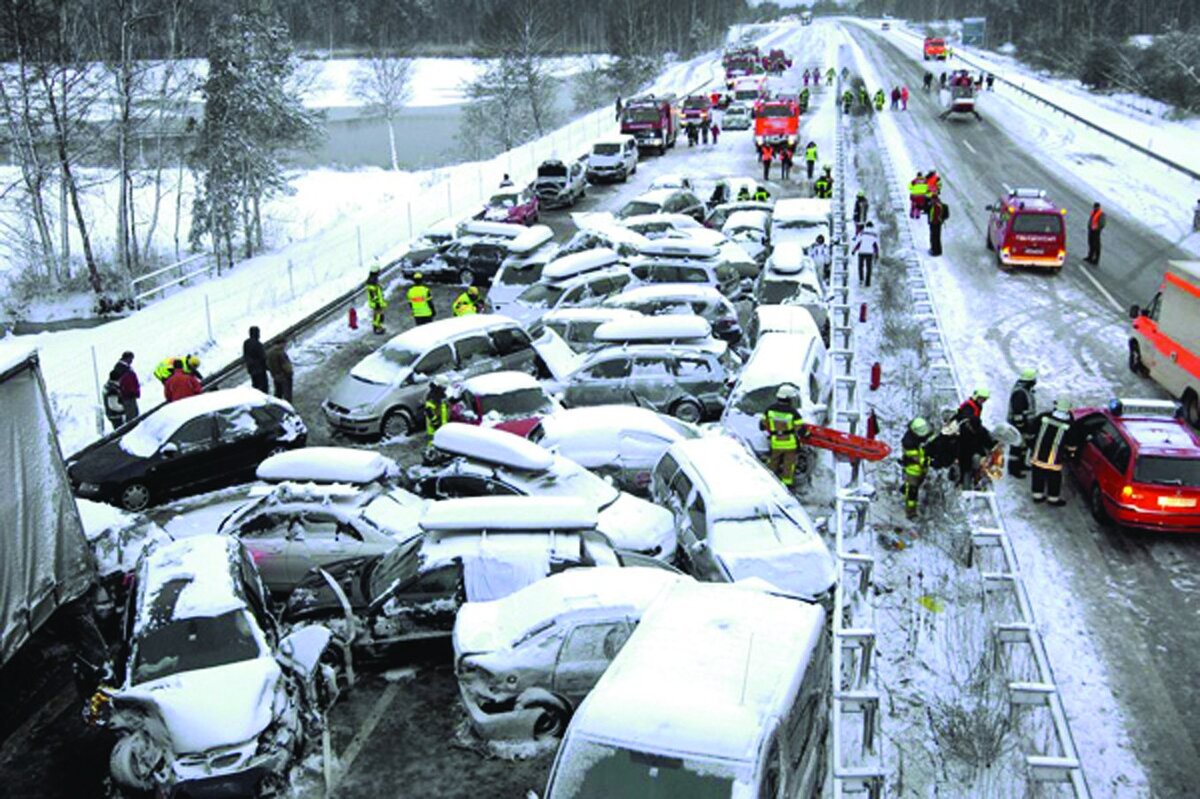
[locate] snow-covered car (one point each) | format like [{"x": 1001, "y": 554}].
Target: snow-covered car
[
  {"x": 184, "y": 447},
  {"x": 752, "y": 230},
  {"x": 673, "y": 226},
  {"x": 801, "y": 219},
  {"x": 470, "y": 461},
  {"x": 209, "y": 700},
  {"x": 612, "y": 158},
  {"x": 671, "y": 181},
  {"x": 574, "y": 280},
  {"x": 601, "y": 230},
  {"x": 791, "y": 278},
  {"x": 384, "y": 394},
  {"x": 682, "y": 261},
  {"x": 475, "y": 550},
  {"x": 558, "y": 184},
  {"x": 521, "y": 267},
  {"x": 433, "y": 241},
  {"x": 720, "y": 213},
  {"x": 779, "y": 359},
  {"x": 576, "y": 325},
  {"x": 737, "y": 521},
  {"x": 686, "y": 383},
  {"x": 297, "y": 527},
  {"x": 513, "y": 402},
  {"x": 328, "y": 465},
  {"x": 677, "y": 298},
  {"x": 525, "y": 662},
  {"x": 781, "y": 319},
  {"x": 513, "y": 206},
  {"x": 680, "y": 330},
  {"x": 728, "y": 189},
  {"x": 479, "y": 250},
  {"x": 118, "y": 540},
  {"x": 616, "y": 441},
  {"x": 664, "y": 201},
  {"x": 738, "y": 116}
]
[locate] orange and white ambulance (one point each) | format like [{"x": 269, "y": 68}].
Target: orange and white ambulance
[{"x": 1165, "y": 341}]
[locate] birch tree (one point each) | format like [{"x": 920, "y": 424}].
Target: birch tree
[{"x": 383, "y": 83}]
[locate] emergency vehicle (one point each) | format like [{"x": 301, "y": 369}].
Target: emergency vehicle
[
  {"x": 1026, "y": 229},
  {"x": 1165, "y": 341},
  {"x": 651, "y": 121},
  {"x": 696, "y": 109},
  {"x": 777, "y": 123},
  {"x": 777, "y": 61},
  {"x": 935, "y": 48},
  {"x": 749, "y": 89},
  {"x": 958, "y": 97}
]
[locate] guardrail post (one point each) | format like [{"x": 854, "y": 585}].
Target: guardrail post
[
  {"x": 208, "y": 318},
  {"x": 409, "y": 216},
  {"x": 292, "y": 282},
  {"x": 99, "y": 394}
]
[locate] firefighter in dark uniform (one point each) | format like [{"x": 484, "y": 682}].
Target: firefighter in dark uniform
[
  {"x": 915, "y": 462},
  {"x": 974, "y": 440},
  {"x": 1056, "y": 441},
  {"x": 1022, "y": 410},
  {"x": 784, "y": 428},
  {"x": 437, "y": 406}
]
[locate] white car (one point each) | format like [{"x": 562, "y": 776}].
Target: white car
[
  {"x": 671, "y": 181},
  {"x": 738, "y": 117},
  {"x": 579, "y": 291},
  {"x": 328, "y": 465},
  {"x": 613, "y": 158},
  {"x": 683, "y": 298},
  {"x": 617, "y": 441},
  {"x": 801, "y": 219},
  {"x": 682, "y": 330},
  {"x": 752, "y": 231},
  {"x": 664, "y": 201},
  {"x": 525, "y": 662},
  {"x": 576, "y": 325},
  {"x": 673, "y": 226}
]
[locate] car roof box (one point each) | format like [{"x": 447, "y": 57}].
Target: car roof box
[
  {"x": 580, "y": 263},
  {"x": 492, "y": 446},
  {"x": 509, "y": 513},
  {"x": 678, "y": 248}
]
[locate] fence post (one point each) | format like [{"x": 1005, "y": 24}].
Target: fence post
[
  {"x": 292, "y": 282},
  {"x": 479, "y": 174},
  {"x": 99, "y": 394},
  {"x": 449, "y": 199},
  {"x": 409, "y": 214},
  {"x": 358, "y": 238},
  {"x": 208, "y": 318}
]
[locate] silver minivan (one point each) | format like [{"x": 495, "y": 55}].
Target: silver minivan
[
  {"x": 385, "y": 392},
  {"x": 612, "y": 158}
]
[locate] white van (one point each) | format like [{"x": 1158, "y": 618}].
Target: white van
[
  {"x": 779, "y": 359},
  {"x": 612, "y": 158},
  {"x": 721, "y": 691}
]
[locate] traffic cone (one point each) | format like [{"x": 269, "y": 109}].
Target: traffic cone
[{"x": 353, "y": 318}]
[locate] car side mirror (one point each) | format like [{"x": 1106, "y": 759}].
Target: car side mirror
[
  {"x": 170, "y": 449},
  {"x": 1134, "y": 311}
]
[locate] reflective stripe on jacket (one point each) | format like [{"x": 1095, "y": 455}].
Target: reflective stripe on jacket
[
  {"x": 463, "y": 305},
  {"x": 781, "y": 428},
  {"x": 436, "y": 415},
  {"x": 418, "y": 298},
  {"x": 375, "y": 298}
]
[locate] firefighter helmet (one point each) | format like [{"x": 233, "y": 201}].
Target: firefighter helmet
[
  {"x": 785, "y": 392},
  {"x": 193, "y": 363},
  {"x": 919, "y": 426},
  {"x": 418, "y": 277},
  {"x": 981, "y": 393},
  {"x": 473, "y": 291},
  {"x": 1029, "y": 375}
]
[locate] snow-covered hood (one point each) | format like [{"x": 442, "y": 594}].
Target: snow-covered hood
[
  {"x": 803, "y": 568},
  {"x": 213, "y": 707},
  {"x": 477, "y": 629},
  {"x": 641, "y": 526},
  {"x": 352, "y": 392}
]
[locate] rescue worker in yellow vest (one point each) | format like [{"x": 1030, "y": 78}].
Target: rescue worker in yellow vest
[
  {"x": 784, "y": 428},
  {"x": 879, "y": 99},
  {"x": 823, "y": 186},
  {"x": 190, "y": 365},
  {"x": 761, "y": 195},
  {"x": 437, "y": 406},
  {"x": 465, "y": 303},
  {"x": 810, "y": 158},
  {"x": 915, "y": 462},
  {"x": 1057, "y": 439},
  {"x": 375, "y": 300},
  {"x": 918, "y": 191},
  {"x": 420, "y": 298}
]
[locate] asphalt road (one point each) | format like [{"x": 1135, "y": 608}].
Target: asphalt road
[{"x": 1137, "y": 592}]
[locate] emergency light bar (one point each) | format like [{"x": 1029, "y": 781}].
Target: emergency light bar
[{"x": 1145, "y": 407}]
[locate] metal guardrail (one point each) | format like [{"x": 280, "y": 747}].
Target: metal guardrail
[
  {"x": 855, "y": 769},
  {"x": 1062, "y": 764},
  {"x": 1191, "y": 173}
]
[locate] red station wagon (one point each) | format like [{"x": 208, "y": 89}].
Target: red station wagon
[
  {"x": 1139, "y": 465},
  {"x": 1026, "y": 229}
]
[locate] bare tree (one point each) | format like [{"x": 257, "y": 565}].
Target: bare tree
[{"x": 383, "y": 82}]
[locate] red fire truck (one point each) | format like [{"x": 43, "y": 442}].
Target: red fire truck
[
  {"x": 651, "y": 121},
  {"x": 777, "y": 123}
]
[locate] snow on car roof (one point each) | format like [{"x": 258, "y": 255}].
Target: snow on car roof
[
  {"x": 530, "y": 239},
  {"x": 504, "y": 382},
  {"x": 187, "y": 579},
  {"x": 14, "y": 353},
  {"x": 747, "y": 218},
  {"x": 743, "y": 486},
  {"x": 502, "y": 622},
  {"x": 802, "y": 209},
  {"x": 480, "y": 227},
  {"x": 1161, "y": 436},
  {"x": 510, "y": 513},
  {"x": 326, "y": 465},
  {"x": 745, "y": 652},
  {"x": 777, "y": 358},
  {"x": 590, "y": 435},
  {"x": 493, "y": 446},
  {"x": 787, "y": 257},
  {"x": 580, "y": 262},
  {"x": 671, "y": 326},
  {"x": 678, "y": 248},
  {"x": 671, "y": 181},
  {"x": 666, "y": 291},
  {"x": 426, "y": 337},
  {"x": 589, "y": 314},
  {"x": 675, "y": 220},
  {"x": 614, "y": 139},
  {"x": 153, "y": 431},
  {"x": 657, "y": 196},
  {"x": 785, "y": 319}
]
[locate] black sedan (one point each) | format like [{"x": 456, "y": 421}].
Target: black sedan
[{"x": 185, "y": 447}]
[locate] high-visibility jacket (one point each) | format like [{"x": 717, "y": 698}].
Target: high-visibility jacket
[
  {"x": 1096, "y": 220},
  {"x": 1048, "y": 446},
  {"x": 464, "y": 305},
  {"x": 933, "y": 184},
  {"x": 418, "y": 298},
  {"x": 375, "y": 298},
  {"x": 782, "y": 425},
  {"x": 167, "y": 366},
  {"x": 762, "y": 195},
  {"x": 913, "y": 457},
  {"x": 847, "y": 97},
  {"x": 743, "y": 195},
  {"x": 437, "y": 413},
  {"x": 767, "y": 153},
  {"x": 823, "y": 187},
  {"x": 918, "y": 188},
  {"x": 810, "y": 153}
]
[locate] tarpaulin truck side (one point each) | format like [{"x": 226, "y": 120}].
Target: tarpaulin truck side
[
  {"x": 1165, "y": 341},
  {"x": 45, "y": 561}
]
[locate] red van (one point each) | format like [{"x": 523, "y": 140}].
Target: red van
[
  {"x": 1026, "y": 229},
  {"x": 935, "y": 48}
]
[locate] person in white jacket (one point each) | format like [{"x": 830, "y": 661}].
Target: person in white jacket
[{"x": 866, "y": 247}]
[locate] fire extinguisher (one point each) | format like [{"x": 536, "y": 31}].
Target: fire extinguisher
[
  {"x": 872, "y": 425},
  {"x": 876, "y": 375},
  {"x": 353, "y": 318}
]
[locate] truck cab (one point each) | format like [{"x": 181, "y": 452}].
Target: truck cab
[
  {"x": 777, "y": 123},
  {"x": 696, "y": 110},
  {"x": 1026, "y": 229},
  {"x": 935, "y": 48},
  {"x": 1164, "y": 343},
  {"x": 651, "y": 122}
]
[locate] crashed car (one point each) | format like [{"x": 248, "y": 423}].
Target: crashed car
[
  {"x": 675, "y": 298},
  {"x": 576, "y": 325},
  {"x": 791, "y": 278},
  {"x": 297, "y": 527},
  {"x": 475, "y": 550},
  {"x": 478, "y": 462},
  {"x": 184, "y": 447},
  {"x": 664, "y": 201},
  {"x": 431, "y": 242},
  {"x": 616, "y": 441},
  {"x": 513, "y": 206},
  {"x": 525, "y": 662},
  {"x": 721, "y": 212},
  {"x": 673, "y": 226},
  {"x": 210, "y": 701},
  {"x": 480, "y": 248},
  {"x": 575, "y": 280},
  {"x": 751, "y": 230},
  {"x": 513, "y": 402},
  {"x": 558, "y": 184}
]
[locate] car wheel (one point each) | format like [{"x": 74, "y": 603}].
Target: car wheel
[
  {"x": 397, "y": 423},
  {"x": 1096, "y": 505},
  {"x": 687, "y": 410},
  {"x": 1135, "y": 360},
  {"x": 135, "y": 497},
  {"x": 466, "y": 277},
  {"x": 1191, "y": 408},
  {"x": 552, "y": 721}
]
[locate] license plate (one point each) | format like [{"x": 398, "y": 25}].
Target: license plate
[
  {"x": 1034, "y": 251},
  {"x": 1176, "y": 502}
]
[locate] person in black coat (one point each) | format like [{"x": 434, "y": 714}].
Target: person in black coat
[{"x": 255, "y": 358}]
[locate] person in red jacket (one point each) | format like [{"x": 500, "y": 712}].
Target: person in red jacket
[
  {"x": 121, "y": 392},
  {"x": 766, "y": 155},
  {"x": 181, "y": 384}
]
